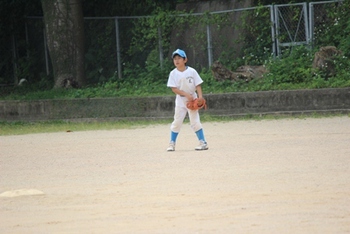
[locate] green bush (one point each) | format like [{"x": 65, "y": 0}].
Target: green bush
[{"x": 293, "y": 68}]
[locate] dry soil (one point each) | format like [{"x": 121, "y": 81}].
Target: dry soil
[{"x": 269, "y": 176}]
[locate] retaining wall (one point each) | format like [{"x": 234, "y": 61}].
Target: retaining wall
[{"x": 230, "y": 104}]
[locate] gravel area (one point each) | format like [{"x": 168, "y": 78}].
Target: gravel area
[{"x": 268, "y": 176}]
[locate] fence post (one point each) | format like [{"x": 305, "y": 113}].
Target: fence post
[
  {"x": 276, "y": 23},
  {"x": 306, "y": 25},
  {"x": 118, "y": 47},
  {"x": 161, "y": 55},
  {"x": 27, "y": 38},
  {"x": 273, "y": 30},
  {"x": 311, "y": 25},
  {"x": 46, "y": 54},
  {"x": 14, "y": 59},
  {"x": 210, "y": 51}
]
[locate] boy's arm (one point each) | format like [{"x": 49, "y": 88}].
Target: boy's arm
[
  {"x": 199, "y": 91},
  {"x": 182, "y": 93}
]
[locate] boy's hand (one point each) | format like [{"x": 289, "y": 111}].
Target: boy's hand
[
  {"x": 189, "y": 97},
  {"x": 196, "y": 104}
]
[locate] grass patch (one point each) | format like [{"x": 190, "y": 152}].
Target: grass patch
[
  {"x": 22, "y": 128},
  {"x": 259, "y": 117}
]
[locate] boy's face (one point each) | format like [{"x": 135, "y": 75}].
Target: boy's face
[{"x": 179, "y": 61}]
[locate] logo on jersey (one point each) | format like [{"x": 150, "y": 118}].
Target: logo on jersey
[{"x": 189, "y": 79}]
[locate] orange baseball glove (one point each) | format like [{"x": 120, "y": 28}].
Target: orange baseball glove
[{"x": 197, "y": 104}]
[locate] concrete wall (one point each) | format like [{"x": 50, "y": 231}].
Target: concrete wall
[{"x": 231, "y": 104}]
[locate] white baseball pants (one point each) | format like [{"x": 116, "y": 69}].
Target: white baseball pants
[{"x": 179, "y": 116}]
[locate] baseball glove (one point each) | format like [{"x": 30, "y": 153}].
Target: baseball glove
[{"x": 197, "y": 104}]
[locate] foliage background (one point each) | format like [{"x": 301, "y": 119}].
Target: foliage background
[{"x": 143, "y": 76}]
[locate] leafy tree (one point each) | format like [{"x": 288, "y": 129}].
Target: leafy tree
[{"x": 337, "y": 32}]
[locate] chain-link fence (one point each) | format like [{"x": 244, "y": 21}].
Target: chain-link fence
[
  {"x": 292, "y": 29},
  {"x": 120, "y": 46},
  {"x": 322, "y": 20}
]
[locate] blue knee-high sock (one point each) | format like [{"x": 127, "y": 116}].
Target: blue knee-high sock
[
  {"x": 173, "y": 136},
  {"x": 200, "y": 135}
]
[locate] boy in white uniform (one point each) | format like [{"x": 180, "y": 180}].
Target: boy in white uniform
[{"x": 185, "y": 82}]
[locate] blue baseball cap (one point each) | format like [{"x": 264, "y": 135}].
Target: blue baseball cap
[{"x": 179, "y": 52}]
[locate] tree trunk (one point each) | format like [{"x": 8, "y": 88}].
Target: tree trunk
[{"x": 64, "y": 26}]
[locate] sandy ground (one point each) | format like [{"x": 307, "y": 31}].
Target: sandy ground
[{"x": 270, "y": 176}]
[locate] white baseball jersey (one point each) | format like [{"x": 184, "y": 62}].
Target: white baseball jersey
[{"x": 186, "y": 81}]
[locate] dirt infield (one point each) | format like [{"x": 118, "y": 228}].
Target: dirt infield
[{"x": 269, "y": 176}]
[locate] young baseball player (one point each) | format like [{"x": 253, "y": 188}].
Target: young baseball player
[{"x": 185, "y": 82}]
